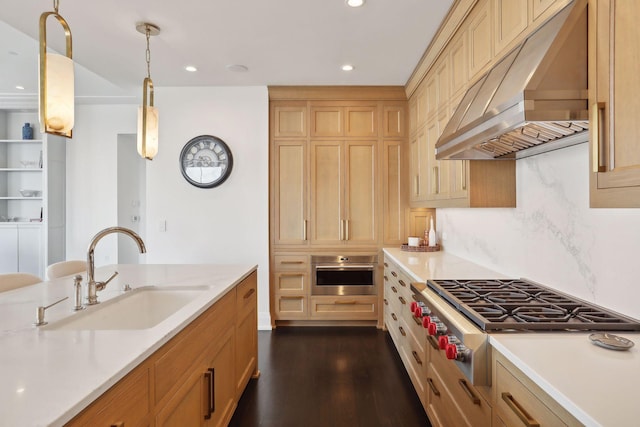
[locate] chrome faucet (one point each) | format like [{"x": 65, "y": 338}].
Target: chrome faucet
[{"x": 92, "y": 286}]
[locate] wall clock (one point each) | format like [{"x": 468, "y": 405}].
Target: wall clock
[{"x": 206, "y": 161}]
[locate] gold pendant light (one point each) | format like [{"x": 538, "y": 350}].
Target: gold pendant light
[
  {"x": 56, "y": 82},
  {"x": 147, "y": 113}
]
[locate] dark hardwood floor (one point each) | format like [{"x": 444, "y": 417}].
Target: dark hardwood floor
[{"x": 341, "y": 376}]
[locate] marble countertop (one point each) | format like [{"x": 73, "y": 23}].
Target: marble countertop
[
  {"x": 49, "y": 376},
  {"x": 597, "y": 386}
]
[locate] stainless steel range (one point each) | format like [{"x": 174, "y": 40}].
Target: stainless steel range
[{"x": 459, "y": 313}]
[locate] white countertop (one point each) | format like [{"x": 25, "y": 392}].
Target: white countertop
[
  {"x": 596, "y": 385},
  {"x": 48, "y": 376}
]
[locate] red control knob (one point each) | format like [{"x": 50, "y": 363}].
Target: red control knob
[
  {"x": 417, "y": 312},
  {"x": 425, "y": 322},
  {"x": 452, "y": 352},
  {"x": 413, "y": 306},
  {"x": 443, "y": 342}
]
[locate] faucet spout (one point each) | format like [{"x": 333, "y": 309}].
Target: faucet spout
[{"x": 92, "y": 285}]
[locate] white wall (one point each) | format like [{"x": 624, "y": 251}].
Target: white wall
[
  {"x": 228, "y": 224},
  {"x": 553, "y": 237}
]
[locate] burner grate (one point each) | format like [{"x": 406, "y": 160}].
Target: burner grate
[{"x": 515, "y": 304}]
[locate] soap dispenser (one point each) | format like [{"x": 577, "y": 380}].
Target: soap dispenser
[{"x": 432, "y": 233}]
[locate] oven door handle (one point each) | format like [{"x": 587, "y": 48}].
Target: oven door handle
[{"x": 345, "y": 267}]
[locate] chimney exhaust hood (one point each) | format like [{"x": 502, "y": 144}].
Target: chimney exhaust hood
[{"x": 533, "y": 100}]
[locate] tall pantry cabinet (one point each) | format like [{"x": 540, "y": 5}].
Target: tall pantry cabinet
[
  {"x": 338, "y": 166},
  {"x": 32, "y": 195}
]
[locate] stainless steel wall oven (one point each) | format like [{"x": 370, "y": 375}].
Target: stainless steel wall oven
[{"x": 343, "y": 275}]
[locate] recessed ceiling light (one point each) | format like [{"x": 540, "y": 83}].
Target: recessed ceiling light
[
  {"x": 237, "y": 68},
  {"x": 347, "y": 67},
  {"x": 355, "y": 3},
  {"x": 191, "y": 68},
  {"x": 20, "y": 87}
]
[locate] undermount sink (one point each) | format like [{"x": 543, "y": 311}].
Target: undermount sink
[{"x": 140, "y": 308}]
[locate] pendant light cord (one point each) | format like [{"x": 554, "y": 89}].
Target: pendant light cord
[
  {"x": 148, "y": 54},
  {"x": 55, "y": 5}
]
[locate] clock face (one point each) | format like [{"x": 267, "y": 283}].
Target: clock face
[{"x": 206, "y": 161}]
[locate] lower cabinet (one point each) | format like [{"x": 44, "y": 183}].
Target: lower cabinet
[
  {"x": 518, "y": 401},
  {"x": 344, "y": 307},
  {"x": 196, "y": 378}
]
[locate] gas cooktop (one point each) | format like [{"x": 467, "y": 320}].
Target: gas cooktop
[{"x": 505, "y": 304}]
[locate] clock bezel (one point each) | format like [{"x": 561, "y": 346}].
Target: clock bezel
[{"x": 185, "y": 151}]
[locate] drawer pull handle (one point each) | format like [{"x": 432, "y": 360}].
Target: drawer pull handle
[
  {"x": 120, "y": 424},
  {"x": 404, "y": 334},
  {"x": 249, "y": 293},
  {"x": 210, "y": 375},
  {"x": 402, "y": 283},
  {"x": 432, "y": 386},
  {"x": 345, "y": 302},
  {"x": 290, "y": 297},
  {"x": 393, "y": 273},
  {"x": 393, "y": 315},
  {"x": 386, "y": 279},
  {"x": 415, "y": 319},
  {"x": 519, "y": 410},
  {"x": 291, "y": 262},
  {"x": 393, "y": 288},
  {"x": 304, "y": 230},
  {"x": 413, "y": 297},
  {"x": 415, "y": 356},
  {"x": 386, "y": 265},
  {"x": 386, "y": 302},
  {"x": 475, "y": 399},
  {"x": 433, "y": 342},
  {"x": 402, "y": 300}
]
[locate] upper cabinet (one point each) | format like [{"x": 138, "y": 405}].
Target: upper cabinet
[
  {"x": 480, "y": 34},
  {"x": 511, "y": 18},
  {"x": 614, "y": 104}
]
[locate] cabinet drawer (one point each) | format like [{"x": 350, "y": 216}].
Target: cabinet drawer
[
  {"x": 345, "y": 308},
  {"x": 291, "y": 262},
  {"x": 291, "y": 281},
  {"x": 290, "y": 307},
  {"x": 515, "y": 403},
  {"x": 179, "y": 354},
  {"x": 126, "y": 402},
  {"x": 247, "y": 293},
  {"x": 472, "y": 408}
]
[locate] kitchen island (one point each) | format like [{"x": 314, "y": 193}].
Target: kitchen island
[
  {"x": 593, "y": 385},
  {"x": 50, "y": 375}
]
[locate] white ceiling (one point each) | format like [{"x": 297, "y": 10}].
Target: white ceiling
[{"x": 282, "y": 42}]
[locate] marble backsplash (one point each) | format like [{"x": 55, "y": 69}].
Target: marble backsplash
[{"x": 553, "y": 237}]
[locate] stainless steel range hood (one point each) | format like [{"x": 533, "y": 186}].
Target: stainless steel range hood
[{"x": 533, "y": 100}]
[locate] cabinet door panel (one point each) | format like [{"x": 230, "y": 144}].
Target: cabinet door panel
[
  {"x": 290, "y": 121},
  {"x": 393, "y": 193},
  {"x": 361, "y": 178},
  {"x": 8, "y": 249},
  {"x": 394, "y": 121},
  {"x": 361, "y": 121},
  {"x": 615, "y": 150},
  {"x": 326, "y": 192},
  {"x": 327, "y": 121},
  {"x": 290, "y": 175},
  {"x": 511, "y": 18},
  {"x": 29, "y": 249},
  {"x": 480, "y": 44}
]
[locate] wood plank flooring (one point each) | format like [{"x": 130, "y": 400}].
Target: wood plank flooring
[{"x": 340, "y": 376}]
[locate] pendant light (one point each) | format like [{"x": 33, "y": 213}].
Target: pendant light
[
  {"x": 56, "y": 99},
  {"x": 147, "y": 113}
]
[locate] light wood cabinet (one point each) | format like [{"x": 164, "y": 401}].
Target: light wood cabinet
[
  {"x": 290, "y": 287},
  {"x": 480, "y": 38},
  {"x": 196, "y": 378},
  {"x": 344, "y": 193},
  {"x": 518, "y": 401},
  {"x": 393, "y": 192},
  {"x": 511, "y": 18},
  {"x": 246, "y": 360},
  {"x": 341, "y": 189},
  {"x": 290, "y": 175},
  {"x": 614, "y": 105},
  {"x": 419, "y": 167}
]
